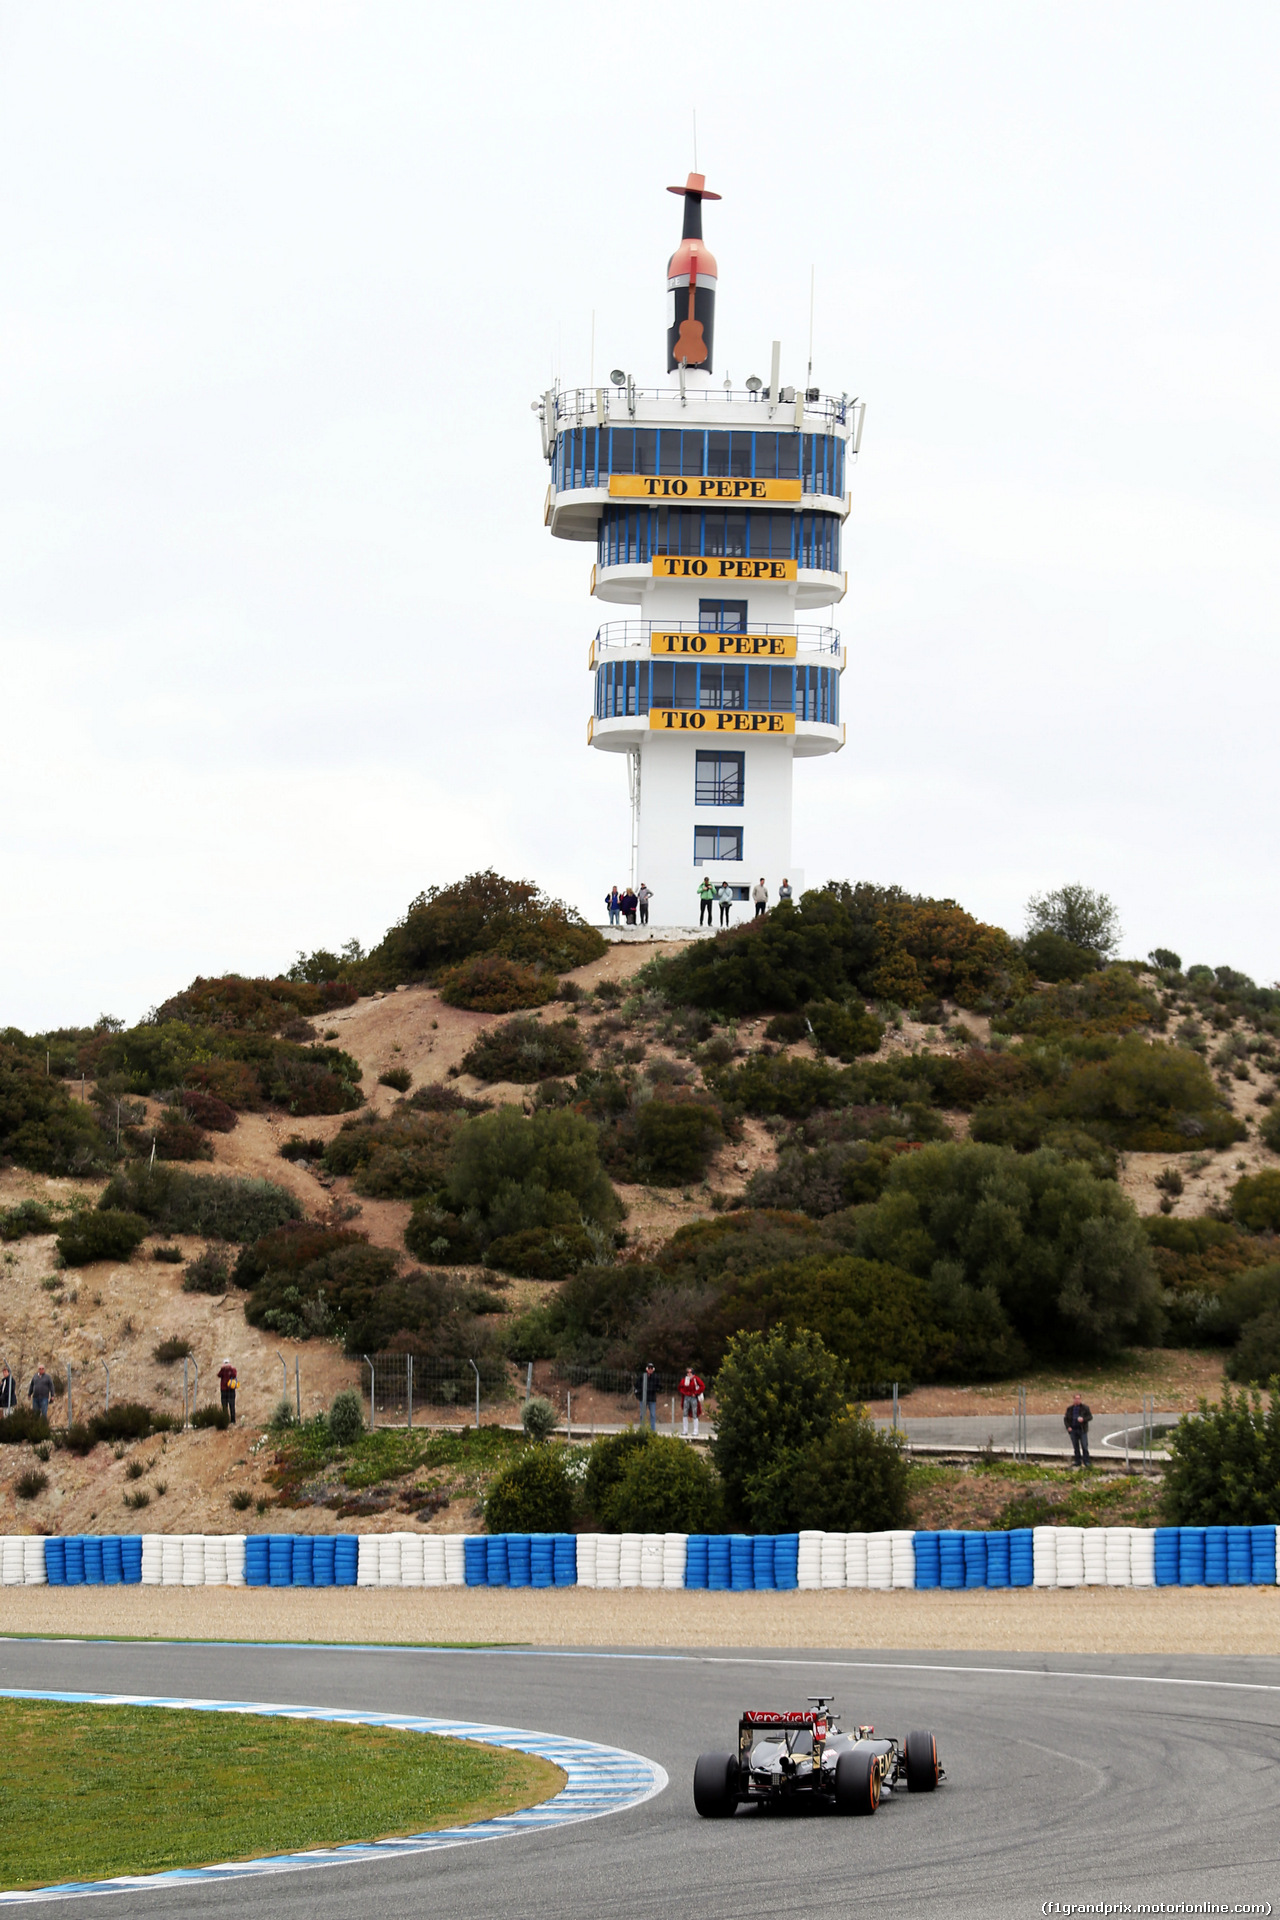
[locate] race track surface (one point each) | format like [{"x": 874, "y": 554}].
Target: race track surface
[{"x": 1070, "y": 1779}]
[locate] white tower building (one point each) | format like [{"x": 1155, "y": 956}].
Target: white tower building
[{"x": 716, "y": 516}]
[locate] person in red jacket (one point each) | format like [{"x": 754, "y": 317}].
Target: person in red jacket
[
  {"x": 692, "y": 1388},
  {"x": 227, "y": 1382}
]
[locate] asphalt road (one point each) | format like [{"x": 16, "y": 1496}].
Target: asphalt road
[
  {"x": 1094, "y": 1785},
  {"x": 1045, "y": 1432}
]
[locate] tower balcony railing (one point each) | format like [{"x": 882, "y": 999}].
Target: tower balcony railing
[
  {"x": 636, "y": 637},
  {"x": 575, "y": 406}
]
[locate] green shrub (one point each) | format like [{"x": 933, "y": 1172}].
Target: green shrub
[
  {"x": 845, "y": 1031},
  {"x": 539, "y": 1418},
  {"x": 665, "y": 1487},
  {"x": 435, "y": 1097},
  {"x": 29, "y": 1484},
  {"x": 108, "y": 1235},
  {"x": 436, "y": 1234},
  {"x": 780, "y": 1084},
  {"x": 168, "y": 1256},
  {"x": 1256, "y": 1357},
  {"x": 1076, "y": 914},
  {"x": 777, "y": 962},
  {"x": 129, "y": 1420},
  {"x": 1269, "y": 1129},
  {"x": 675, "y": 1139},
  {"x": 876, "y": 1320},
  {"x": 215, "y": 1206},
  {"x": 346, "y": 1418},
  {"x": 1224, "y": 1467},
  {"x": 209, "y": 1272},
  {"x": 821, "y": 1182},
  {"x": 532, "y": 1495},
  {"x": 787, "y": 1028},
  {"x": 775, "y": 1393},
  {"x": 1052, "y": 958},
  {"x": 483, "y": 914},
  {"x": 323, "y": 1081},
  {"x": 41, "y": 1126},
  {"x": 178, "y": 1140},
  {"x": 1255, "y": 1201},
  {"x": 27, "y": 1217},
  {"x": 241, "y": 1500},
  {"x": 79, "y": 1438},
  {"x": 539, "y": 1170},
  {"x": 541, "y": 1253},
  {"x": 290, "y": 1248},
  {"x": 235, "y": 1004},
  {"x": 23, "y": 1426},
  {"x": 211, "y": 1416},
  {"x": 206, "y": 1110},
  {"x": 492, "y": 984},
  {"x": 398, "y": 1078},
  {"x": 171, "y": 1349},
  {"x": 526, "y": 1050},
  {"x": 607, "y": 1462},
  {"x": 400, "y": 1158},
  {"x": 303, "y": 1147},
  {"x": 1103, "y": 1003},
  {"x": 848, "y": 1479}
]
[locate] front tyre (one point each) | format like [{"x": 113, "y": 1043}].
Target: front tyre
[
  {"x": 857, "y": 1782},
  {"x": 921, "y": 1755},
  {"x": 715, "y": 1785}
]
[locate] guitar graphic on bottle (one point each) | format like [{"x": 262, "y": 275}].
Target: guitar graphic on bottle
[{"x": 690, "y": 346}]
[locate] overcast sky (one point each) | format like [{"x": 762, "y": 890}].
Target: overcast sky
[{"x": 282, "y": 637}]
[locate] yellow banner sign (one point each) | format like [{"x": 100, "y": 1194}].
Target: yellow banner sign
[
  {"x": 698, "y": 720},
  {"x": 696, "y": 489},
  {"x": 681, "y": 566},
  {"x": 725, "y": 646}
]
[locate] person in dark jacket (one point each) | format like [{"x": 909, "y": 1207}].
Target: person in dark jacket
[
  {"x": 627, "y": 906},
  {"x": 8, "y": 1393},
  {"x": 40, "y": 1392},
  {"x": 1076, "y": 1421},
  {"x": 647, "y": 1395},
  {"x": 227, "y": 1384}
]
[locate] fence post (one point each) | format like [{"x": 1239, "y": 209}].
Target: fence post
[
  {"x": 373, "y": 1411},
  {"x": 528, "y": 1382},
  {"x": 195, "y": 1386},
  {"x": 475, "y": 1369},
  {"x": 69, "y": 1411},
  {"x": 284, "y": 1371},
  {"x": 106, "y": 1369},
  {"x": 895, "y": 1406},
  {"x": 568, "y": 1415},
  {"x": 297, "y": 1386},
  {"x": 673, "y": 1416},
  {"x": 185, "y": 1364},
  {"x": 408, "y": 1375}
]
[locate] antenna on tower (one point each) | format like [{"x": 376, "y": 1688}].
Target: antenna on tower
[
  {"x": 809, "y": 377},
  {"x": 695, "y": 139}
]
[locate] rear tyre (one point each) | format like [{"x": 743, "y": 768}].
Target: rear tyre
[
  {"x": 921, "y": 1755},
  {"x": 715, "y": 1785},
  {"x": 857, "y": 1782}
]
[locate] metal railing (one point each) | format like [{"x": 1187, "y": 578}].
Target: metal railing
[
  {"x": 407, "y": 1389},
  {"x": 574, "y": 405},
  {"x": 633, "y": 636}
]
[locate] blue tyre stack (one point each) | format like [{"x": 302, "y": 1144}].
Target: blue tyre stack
[
  {"x": 542, "y": 1560},
  {"x": 786, "y": 1553},
  {"x": 950, "y": 1560},
  {"x": 740, "y": 1562},
  {"x": 762, "y": 1551},
  {"x": 997, "y": 1560},
  {"x": 496, "y": 1565},
  {"x": 1215, "y": 1556},
  {"x": 475, "y": 1549},
  {"x": 928, "y": 1571},
  {"x": 1191, "y": 1556},
  {"x": 975, "y": 1559},
  {"x": 718, "y": 1571},
  {"x": 564, "y": 1560},
  {"x": 1167, "y": 1540},
  {"x": 322, "y": 1559},
  {"x": 74, "y": 1560},
  {"x": 695, "y": 1563},
  {"x": 280, "y": 1559},
  {"x": 1262, "y": 1556},
  {"x": 518, "y": 1570},
  {"x": 302, "y": 1560},
  {"x": 55, "y": 1562},
  {"x": 131, "y": 1560},
  {"x": 1021, "y": 1557},
  {"x": 257, "y": 1560},
  {"x": 93, "y": 1576},
  {"x": 113, "y": 1560},
  {"x": 346, "y": 1560},
  {"x": 1239, "y": 1556}
]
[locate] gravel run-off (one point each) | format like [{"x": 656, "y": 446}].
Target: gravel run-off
[{"x": 1173, "y": 1620}]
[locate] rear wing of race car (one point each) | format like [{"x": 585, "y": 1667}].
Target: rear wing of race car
[{"x": 763, "y": 1720}]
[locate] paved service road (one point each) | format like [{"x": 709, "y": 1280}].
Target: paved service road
[
  {"x": 1045, "y": 1432},
  {"x": 1093, "y": 1785}
]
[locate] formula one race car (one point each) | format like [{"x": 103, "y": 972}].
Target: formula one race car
[{"x": 802, "y": 1758}]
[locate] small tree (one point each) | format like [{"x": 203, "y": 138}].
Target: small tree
[
  {"x": 346, "y": 1418},
  {"x": 775, "y": 1392},
  {"x": 1078, "y": 914},
  {"x": 850, "y": 1479},
  {"x": 533, "y": 1495},
  {"x": 1224, "y": 1468},
  {"x": 666, "y": 1487},
  {"x": 538, "y": 1418}
]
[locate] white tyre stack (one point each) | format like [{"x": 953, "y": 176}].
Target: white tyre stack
[
  {"x": 11, "y": 1560},
  {"x": 412, "y": 1563},
  {"x": 33, "y": 1567},
  {"x": 152, "y": 1559},
  {"x": 433, "y": 1560},
  {"x": 879, "y": 1560},
  {"x": 235, "y": 1559},
  {"x": 1142, "y": 1556},
  {"x": 389, "y": 1560},
  {"x": 171, "y": 1560},
  {"x": 855, "y": 1560},
  {"x": 629, "y": 1550},
  {"x": 609, "y": 1559},
  {"x": 809, "y": 1561},
  {"x": 455, "y": 1561},
  {"x": 902, "y": 1550},
  {"x": 1044, "y": 1556},
  {"x": 675, "y": 1552},
  {"x": 1095, "y": 1556},
  {"x": 215, "y": 1560},
  {"x": 588, "y": 1547},
  {"x": 193, "y": 1559},
  {"x": 1119, "y": 1571},
  {"x": 1070, "y": 1556},
  {"x": 367, "y": 1560},
  {"x": 651, "y": 1560},
  {"x": 831, "y": 1561}
]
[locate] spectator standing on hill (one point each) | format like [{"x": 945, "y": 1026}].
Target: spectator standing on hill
[
  {"x": 760, "y": 894},
  {"x": 8, "y": 1393},
  {"x": 628, "y": 903},
  {"x": 611, "y": 906},
  {"x": 692, "y": 1388},
  {"x": 643, "y": 897},
  {"x": 40, "y": 1392},
  {"x": 784, "y": 893},
  {"x": 1076, "y": 1421},
  {"x": 227, "y": 1383},
  {"x": 706, "y": 895},
  {"x": 725, "y": 897},
  {"x": 647, "y": 1395}
]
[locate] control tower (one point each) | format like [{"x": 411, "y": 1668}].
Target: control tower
[{"x": 716, "y": 515}]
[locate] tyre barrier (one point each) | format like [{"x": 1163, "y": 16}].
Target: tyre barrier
[{"x": 717, "y": 1562}]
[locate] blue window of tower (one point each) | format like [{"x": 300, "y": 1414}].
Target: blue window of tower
[
  {"x": 716, "y": 843},
  {"x": 722, "y": 616},
  {"x": 719, "y": 779}
]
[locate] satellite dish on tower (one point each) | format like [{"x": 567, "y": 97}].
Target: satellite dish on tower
[
  {"x": 754, "y": 383},
  {"x": 618, "y": 377}
]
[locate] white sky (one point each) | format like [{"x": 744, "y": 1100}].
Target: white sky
[{"x": 282, "y": 636}]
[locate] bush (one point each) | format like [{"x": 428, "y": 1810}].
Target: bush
[
  {"x": 1269, "y": 1129},
  {"x": 211, "y": 1416},
  {"x": 775, "y": 1393},
  {"x": 675, "y": 1139},
  {"x": 845, "y": 1031},
  {"x": 821, "y": 1182},
  {"x": 171, "y": 1349},
  {"x": 877, "y": 1320},
  {"x": 168, "y": 1256},
  {"x": 346, "y": 1418},
  {"x": 129, "y": 1420},
  {"x": 41, "y": 1126},
  {"x": 209, "y": 1272},
  {"x": 206, "y": 1110},
  {"x": 780, "y": 1084},
  {"x": 540, "y": 1170},
  {"x": 607, "y": 1463},
  {"x": 541, "y": 1253},
  {"x": 179, "y": 1140},
  {"x": 665, "y": 1487},
  {"x": 234, "y": 1004},
  {"x": 1075, "y": 914},
  {"x": 298, "y": 1147},
  {"x": 492, "y": 984},
  {"x": 526, "y": 1050},
  {"x": 241, "y": 1500},
  {"x": 438, "y": 1098},
  {"x": 849, "y": 1479},
  {"x": 29, "y": 1484},
  {"x": 399, "y": 1158},
  {"x": 399, "y": 1079},
  {"x": 1224, "y": 1468},
  {"x": 436, "y": 1234},
  {"x": 1255, "y": 1201},
  {"x": 321, "y": 1081},
  {"x": 109, "y": 1235},
  {"x": 27, "y": 1217},
  {"x": 1103, "y": 1003},
  {"x": 23, "y": 1426},
  {"x": 787, "y": 1028},
  {"x": 78, "y": 1438},
  {"x": 1052, "y": 958},
  {"x": 539, "y": 1418},
  {"x": 1256, "y": 1358},
  {"x": 532, "y": 1495},
  {"x": 483, "y": 914},
  {"x": 215, "y": 1206},
  {"x": 777, "y": 962}
]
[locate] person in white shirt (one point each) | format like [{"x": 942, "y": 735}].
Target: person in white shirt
[
  {"x": 784, "y": 892},
  {"x": 725, "y": 897},
  {"x": 760, "y": 894},
  {"x": 644, "y": 896}
]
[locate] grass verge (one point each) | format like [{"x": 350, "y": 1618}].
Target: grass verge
[
  {"x": 93, "y": 1791},
  {"x": 1012, "y": 1493}
]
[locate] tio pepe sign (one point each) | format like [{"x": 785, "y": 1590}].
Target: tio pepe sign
[
  {"x": 725, "y": 646},
  {"x": 698, "y": 488},
  {"x": 698, "y": 720}
]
